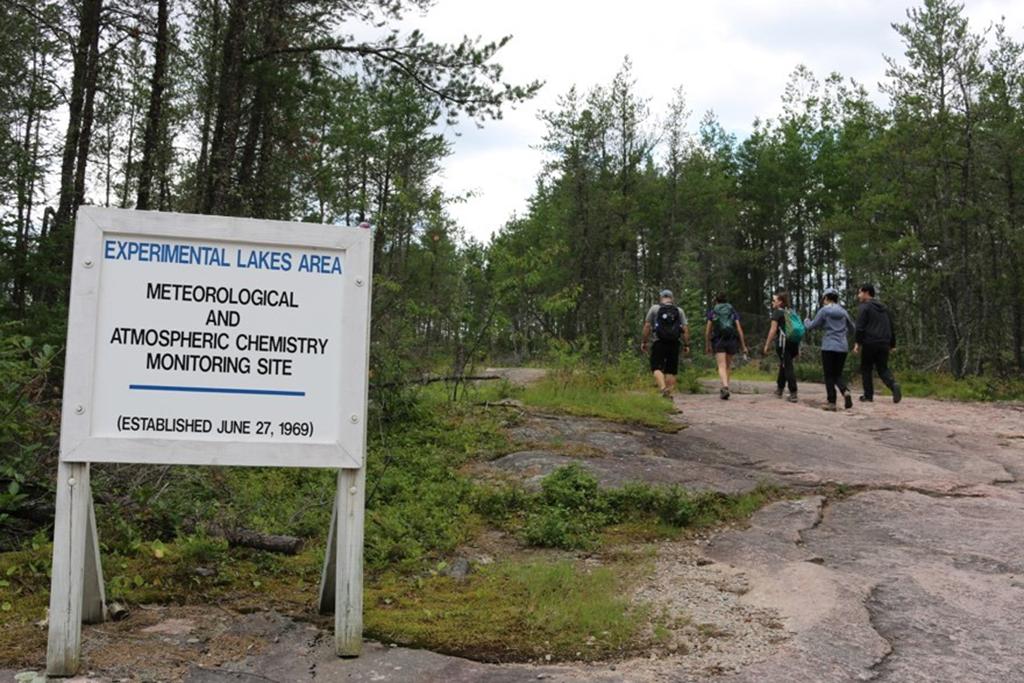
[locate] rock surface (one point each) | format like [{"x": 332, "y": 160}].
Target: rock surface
[{"x": 903, "y": 561}]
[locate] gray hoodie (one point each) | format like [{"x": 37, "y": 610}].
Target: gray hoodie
[{"x": 836, "y": 322}]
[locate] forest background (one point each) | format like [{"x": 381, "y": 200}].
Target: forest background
[{"x": 272, "y": 109}]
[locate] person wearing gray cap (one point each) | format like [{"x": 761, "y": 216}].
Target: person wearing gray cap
[
  {"x": 668, "y": 323},
  {"x": 837, "y": 323}
]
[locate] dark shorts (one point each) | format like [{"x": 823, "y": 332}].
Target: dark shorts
[
  {"x": 665, "y": 357},
  {"x": 729, "y": 346}
]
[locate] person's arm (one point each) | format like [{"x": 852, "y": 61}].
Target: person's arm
[
  {"x": 707, "y": 337},
  {"x": 743, "y": 339},
  {"x": 850, "y": 326},
  {"x": 686, "y": 329},
  {"x": 771, "y": 336},
  {"x": 858, "y": 330},
  {"x": 645, "y": 335},
  {"x": 819, "y": 320}
]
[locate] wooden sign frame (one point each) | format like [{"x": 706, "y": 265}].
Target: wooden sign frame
[{"x": 77, "y": 589}]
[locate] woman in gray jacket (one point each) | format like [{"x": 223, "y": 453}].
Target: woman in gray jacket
[{"x": 837, "y": 323}]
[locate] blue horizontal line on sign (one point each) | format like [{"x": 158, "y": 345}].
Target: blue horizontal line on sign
[{"x": 215, "y": 390}]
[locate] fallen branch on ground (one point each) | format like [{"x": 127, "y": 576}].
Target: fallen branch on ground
[{"x": 249, "y": 538}]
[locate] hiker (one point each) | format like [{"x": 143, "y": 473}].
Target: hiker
[
  {"x": 836, "y": 323},
  {"x": 875, "y": 339},
  {"x": 668, "y": 323},
  {"x": 723, "y": 336},
  {"x": 786, "y": 331}
]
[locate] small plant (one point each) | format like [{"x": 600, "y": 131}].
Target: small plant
[{"x": 201, "y": 549}]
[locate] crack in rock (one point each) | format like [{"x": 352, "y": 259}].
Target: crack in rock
[{"x": 873, "y": 606}]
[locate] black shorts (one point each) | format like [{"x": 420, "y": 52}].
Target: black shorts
[
  {"x": 730, "y": 346},
  {"x": 665, "y": 357}
]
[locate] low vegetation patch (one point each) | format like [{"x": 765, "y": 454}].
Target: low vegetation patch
[
  {"x": 513, "y": 612},
  {"x": 620, "y": 392},
  {"x": 572, "y": 513}
]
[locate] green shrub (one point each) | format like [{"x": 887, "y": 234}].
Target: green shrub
[
  {"x": 499, "y": 504},
  {"x": 556, "y": 527},
  {"x": 571, "y": 487}
]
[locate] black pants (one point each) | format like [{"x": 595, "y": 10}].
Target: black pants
[
  {"x": 787, "y": 373},
  {"x": 875, "y": 357},
  {"x": 833, "y": 362}
]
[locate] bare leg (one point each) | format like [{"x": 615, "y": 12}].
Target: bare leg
[
  {"x": 670, "y": 383},
  {"x": 723, "y": 368},
  {"x": 659, "y": 379}
]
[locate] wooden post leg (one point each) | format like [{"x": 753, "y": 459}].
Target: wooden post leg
[
  {"x": 94, "y": 597},
  {"x": 348, "y": 598},
  {"x": 68, "y": 573},
  {"x": 327, "y": 576}
]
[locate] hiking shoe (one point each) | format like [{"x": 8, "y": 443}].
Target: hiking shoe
[
  {"x": 830, "y": 407},
  {"x": 666, "y": 392},
  {"x": 724, "y": 393},
  {"x": 848, "y": 401},
  {"x": 897, "y": 392},
  {"x": 866, "y": 399},
  {"x": 792, "y": 398},
  {"x": 778, "y": 393}
]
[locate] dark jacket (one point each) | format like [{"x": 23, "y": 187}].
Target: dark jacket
[{"x": 874, "y": 325}]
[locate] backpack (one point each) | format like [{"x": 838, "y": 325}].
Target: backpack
[
  {"x": 668, "y": 326},
  {"x": 724, "y": 325},
  {"x": 794, "y": 326}
]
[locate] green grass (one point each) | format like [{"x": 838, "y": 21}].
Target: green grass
[
  {"x": 513, "y": 612},
  {"x": 945, "y": 386},
  {"x": 606, "y": 392},
  {"x": 572, "y": 513},
  {"x": 936, "y": 385}
]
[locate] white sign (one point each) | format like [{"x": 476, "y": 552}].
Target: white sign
[{"x": 216, "y": 341}]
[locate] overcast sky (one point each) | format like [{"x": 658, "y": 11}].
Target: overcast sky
[{"x": 732, "y": 56}]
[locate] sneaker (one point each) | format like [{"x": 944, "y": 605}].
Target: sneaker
[
  {"x": 724, "y": 393},
  {"x": 830, "y": 407},
  {"x": 866, "y": 399},
  {"x": 778, "y": 393},
  {"x": 848, "y": 401},
  {"x": 792, "y": 397},
  {"x": 666, "y": 392},
  {"x": 897, "y": 393}
]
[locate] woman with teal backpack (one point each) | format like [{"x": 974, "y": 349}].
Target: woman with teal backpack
[
  {"x": 723, "y": 336},
  {"x": 787, "y": 330}
]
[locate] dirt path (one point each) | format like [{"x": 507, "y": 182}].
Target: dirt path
[{"x": 911, "y": 568}]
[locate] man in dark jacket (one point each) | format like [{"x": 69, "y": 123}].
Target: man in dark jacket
[{"x": 875, "y": 338}]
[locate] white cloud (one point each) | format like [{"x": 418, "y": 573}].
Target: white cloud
[{"x": 733, "y": 56}]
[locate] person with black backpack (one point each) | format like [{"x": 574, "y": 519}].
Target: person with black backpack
[
  {"x": 875, "y": 339},
  {"x": 723, "y": 336},
  {"x": 668, "y": 324}
]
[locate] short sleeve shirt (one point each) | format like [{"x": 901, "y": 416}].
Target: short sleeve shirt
[
  {"x": 779, "y": 316},
  {"x": 652, "y": 315}
]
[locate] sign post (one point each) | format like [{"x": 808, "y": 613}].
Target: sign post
[{"x": 203, "y": 340}]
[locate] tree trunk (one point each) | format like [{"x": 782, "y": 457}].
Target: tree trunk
[
  {"x": 83, "y": 84},
  {"x": 154, "y": 121},
  {"x": 225, "y": 133},
  {"x": 210, "y": 77}
]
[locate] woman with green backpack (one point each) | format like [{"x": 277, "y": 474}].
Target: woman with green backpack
[
  {"x": 723, "y": 336},
  {"x": 787, "y": 330}
]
